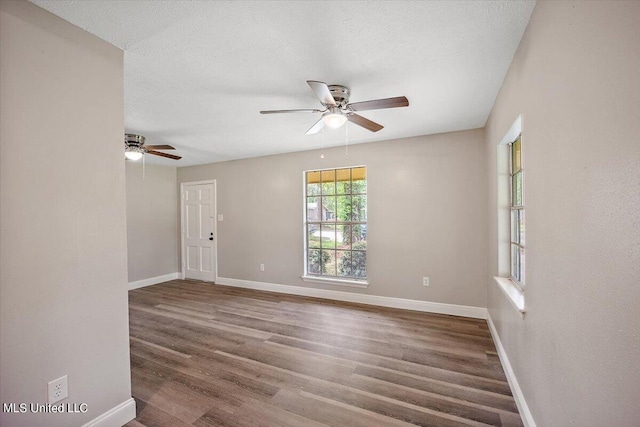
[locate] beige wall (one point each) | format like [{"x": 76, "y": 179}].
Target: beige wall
[
  {"x": 152, "y": 221},
  {"x": 63, "y": 303},
  {"x": 427, "y": 215},
  {"x": 575, "y": 80}
]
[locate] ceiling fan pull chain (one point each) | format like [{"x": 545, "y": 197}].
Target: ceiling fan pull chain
[
  {"x": 322, "y": 149},
  {"x": 143, "y": 167},
  {"x": 346, "y": 142}
]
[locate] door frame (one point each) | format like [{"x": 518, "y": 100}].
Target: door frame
[{"x": 183, "y": 248}]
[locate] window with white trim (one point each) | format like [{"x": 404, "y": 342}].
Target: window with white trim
[
  {"x": 510, "y": 216},
  {"x": 517, "y": 241},
  {"x": 336, "y": 223}
]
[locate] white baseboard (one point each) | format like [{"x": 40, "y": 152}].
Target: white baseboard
[
  {"x": 407, "y": 304},
  {"x": 525, "y": 413},
  {"x": 153, "y": 280},
  {"x": 116, "y": 416}
]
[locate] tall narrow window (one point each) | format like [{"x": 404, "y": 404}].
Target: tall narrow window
[
  {"x": 517, "y": 212},
  {"x": 336, "y": 223}
]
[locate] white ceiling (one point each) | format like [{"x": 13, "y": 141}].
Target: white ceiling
[{"x": 197, "y": 72}]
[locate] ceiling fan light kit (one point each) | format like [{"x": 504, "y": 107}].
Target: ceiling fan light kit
[
  {"x": 334, "y": 118},
  {"x": 338, "y": 110},
  {"x": 133, "y": 153}
]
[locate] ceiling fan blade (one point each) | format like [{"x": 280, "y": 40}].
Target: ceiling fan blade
[
  {"x": 376, "y": 104},
  {"x": 365, "y": 123},
  {"x": 168, "y": 156},
  {"x": 322, "y": 92},
  {"x": 316, "y": 127},
  {"x": 159, "y": 147},
  {"x": 308, "y": 110}
]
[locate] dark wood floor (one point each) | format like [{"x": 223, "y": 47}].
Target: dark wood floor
[{"x": 209, "y": 355}]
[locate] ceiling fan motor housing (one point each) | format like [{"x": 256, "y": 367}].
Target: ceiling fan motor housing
[
  {"x": 133, "y": 140},
  {"x": 340, "y": 94}
]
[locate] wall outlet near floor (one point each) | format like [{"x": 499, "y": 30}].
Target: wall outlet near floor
[
  {"x": 425, "y": 281},
  {"x": 261, "y": 267},
  {"x": 58, "y": 390}
]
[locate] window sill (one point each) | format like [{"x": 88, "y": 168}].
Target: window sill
[
  {"x": 340, "y": 282},
  {"x": 514, "y": 294}
]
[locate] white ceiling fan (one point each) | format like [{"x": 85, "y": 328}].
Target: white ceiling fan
[
  {"x": 338, "y": 110},
  {"x": 135, "y": 148}
]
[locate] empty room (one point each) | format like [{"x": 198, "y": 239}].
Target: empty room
[{"x": 319, "y": 213}]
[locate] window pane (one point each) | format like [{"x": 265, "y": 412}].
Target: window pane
[
  {"x": 515, "y": 262},
  {"x": 359, "y": 182},
  {"x": 514, "y": 226},
  {"x": 516, "y": 156},
  {"x": 313, "y": 209},
  {"x": 521, "y": 229},
  {"x": 516, "y": 185},
  {"x": 343, "y": 236},
  {"x": 313, "y": 235},
  {"x": 343, "y": 208},
  {"x": 359, "y": 208},
  {"x": 328, "y": 236},
  {"x": 344, "y": 263},
  {"x": 359, "y": 264},
  {"x": 343, "y": 181},
  {"x": 359, "y": 239},
  {"x": 328, "y": 208},
  {"x": 359, "y": 174},
  {"x": 329, "y": 262},
  {"x": 328, "y": 182},
  {"x": 522, "y": 277},
  {"x": 313, "y": 183},
  {"x": 313, "y": 261}
]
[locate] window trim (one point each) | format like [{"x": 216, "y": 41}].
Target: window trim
[
  {"x": 513, "y": 290},
  {"x": 336, "y": 281},
  {"x": 333, "y": 280}
]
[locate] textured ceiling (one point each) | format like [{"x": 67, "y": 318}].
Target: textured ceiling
[{"x": 197, "y": 72}]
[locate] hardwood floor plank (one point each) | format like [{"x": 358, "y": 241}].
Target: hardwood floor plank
[
  {"x": 432, "y": 401},
  {"x": 177, "y": 353},
  {"x": 149, "y": 415},
  {"x": 256, "y": 413},
  {"x": 265, "y": 373},
  {"x": 174, "y": 398},
  {"x": 488, "y": 384},
  {"x": 489, "y": 399},
  {"x": 387, "y": 407},
  {"x": 289, "y": 360},
  {"x": 331, "y": 412},
  {"x": 208, "y": 355},
  {"x": 451, "y": 363}
]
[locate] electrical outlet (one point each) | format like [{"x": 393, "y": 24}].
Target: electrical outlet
[
  {"x": 58, "y": 390},
  {"x": 425, "y": 281},
  {"x": 261, "y": 267}
]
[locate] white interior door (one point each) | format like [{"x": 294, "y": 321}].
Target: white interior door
[{"x": 198, "y": 231}]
